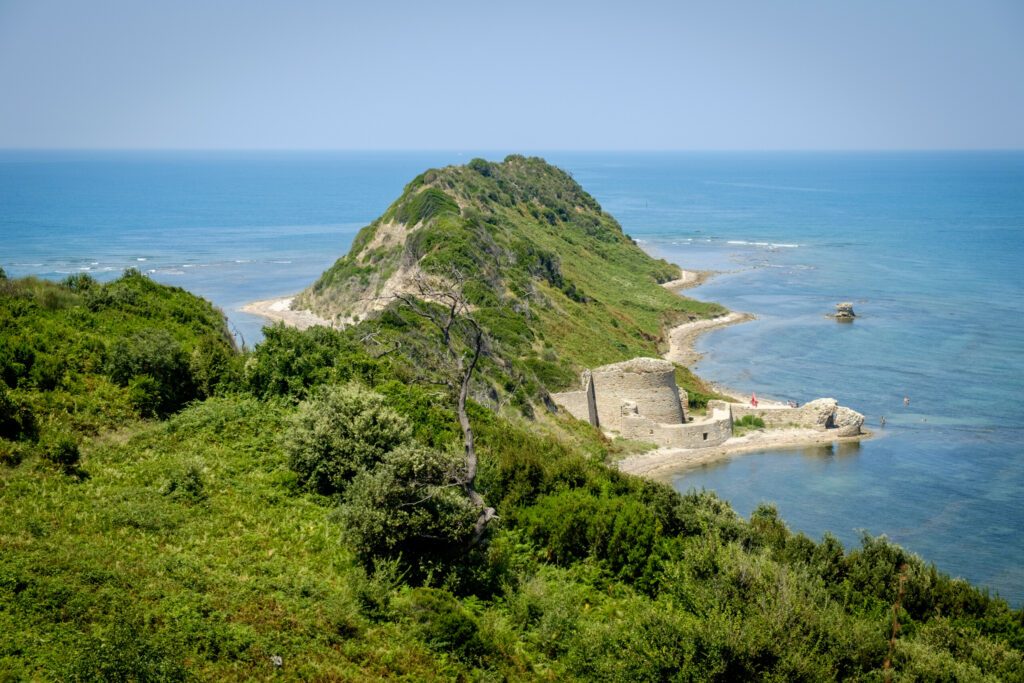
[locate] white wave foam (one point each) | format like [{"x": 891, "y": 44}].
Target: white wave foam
[
  {"x": 141, "y": 258},
  {"x": 770, "y": 245}
]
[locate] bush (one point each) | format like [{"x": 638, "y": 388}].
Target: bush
[
  {"x": 442, "y": 623},
  {"x": 409, "y": 506},
  {"x": 16, "y": 420},
  {"x": 212, "y": 366},
  {"x": 187, "y": 485},
  {"x": 79, "y": 282},
  {"x": 340, "y": 432},
  {"x": 125, "y": 650},
  {"x": 750, "y": 421},
  {"x": 62, "y": 449},
  {"x": 291, "y": 362},
  {"x": 153, "y": 354}
]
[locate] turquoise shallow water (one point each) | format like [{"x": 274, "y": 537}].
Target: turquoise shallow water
[{"x": 927, "y": 246}]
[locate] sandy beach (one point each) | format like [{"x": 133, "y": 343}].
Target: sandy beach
[
  {"x": 662, "y": 463},
  {"x": 681, "y": 339},
  {"x": 279, "y": 310},
  {"x": 689, "y": 279}
]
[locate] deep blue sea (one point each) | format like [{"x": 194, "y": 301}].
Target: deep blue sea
[{"x": 928, "y": 246}]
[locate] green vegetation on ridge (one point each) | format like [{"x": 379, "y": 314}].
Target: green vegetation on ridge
[
  {"x": 546, "y": 268},
  {"x": 289, "y": 512}
]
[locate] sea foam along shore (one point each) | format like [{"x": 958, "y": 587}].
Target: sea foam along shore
[{"x": 661, "y": 463}]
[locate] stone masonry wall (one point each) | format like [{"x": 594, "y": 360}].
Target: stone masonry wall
[
  {"x": 712, "y": 431},
  {"x": 648, "y": 382},
  {"x": 639, "y": 399},
  {"x": 575, "y": 402},
  {"x": 817, "y": 414}
]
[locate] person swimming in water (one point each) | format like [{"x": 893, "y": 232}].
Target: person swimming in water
[{"x": 906, "y": 401}]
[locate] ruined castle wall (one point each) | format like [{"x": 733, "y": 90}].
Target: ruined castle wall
[
  {"x": 711, "y": 432},
  {"x": 649, "y": 383},
  {"x": 817, "y": 414},
  {"x": 580, "y": 404},
  {"x": 575, "y": 403}
]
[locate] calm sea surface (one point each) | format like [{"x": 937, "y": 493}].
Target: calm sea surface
[{"x": 929, "y": 247}]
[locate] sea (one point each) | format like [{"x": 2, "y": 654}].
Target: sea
[{"x": 928, "y": 246}]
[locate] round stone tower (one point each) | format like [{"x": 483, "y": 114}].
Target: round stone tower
[{"x": 650, "y": 383}]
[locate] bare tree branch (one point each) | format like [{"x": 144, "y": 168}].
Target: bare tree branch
[{"x": 450, "y": 308}]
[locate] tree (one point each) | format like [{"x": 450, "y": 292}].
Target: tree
[
  {"x": 338, "y": 433},
  {"x": 441, "y": 301}
]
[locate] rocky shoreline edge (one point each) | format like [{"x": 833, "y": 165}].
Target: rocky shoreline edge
[{"x": 662, "y": 463}]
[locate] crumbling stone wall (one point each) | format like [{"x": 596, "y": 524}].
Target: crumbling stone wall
[
  {"x": 712, "y": 431},
  {"x": 639, "y": 399},
  {"x": 821, "y": 414},
  {"x": 649, "y": 382}
]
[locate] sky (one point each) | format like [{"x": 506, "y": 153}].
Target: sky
[{"x": 548, "y": 75}]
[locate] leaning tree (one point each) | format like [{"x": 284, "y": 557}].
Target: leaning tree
[{"x": 442, "y": 302}]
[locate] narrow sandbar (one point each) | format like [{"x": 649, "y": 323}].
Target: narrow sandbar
[
  {"x": 682, "y": 339},
  {"x": 661, "y": 463},
  {"x": 280, "y": 310},
  {"x": 688, "y": 279}
]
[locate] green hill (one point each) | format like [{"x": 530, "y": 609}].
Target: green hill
[
  {"x": 546, "y": 268},
  {"x": 174, "y": 509}
]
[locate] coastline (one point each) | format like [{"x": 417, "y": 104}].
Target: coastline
[
  {"x": 662, "y": 463},
  {"x": 279, "y": 310}
]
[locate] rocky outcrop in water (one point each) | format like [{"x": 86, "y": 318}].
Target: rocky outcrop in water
[{"x": 844, "y": 312}]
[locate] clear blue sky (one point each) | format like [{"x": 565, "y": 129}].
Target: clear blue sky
[{"x": 379, "y": 74}]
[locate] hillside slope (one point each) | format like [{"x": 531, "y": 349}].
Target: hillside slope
[{"x": 531, "y": 244}]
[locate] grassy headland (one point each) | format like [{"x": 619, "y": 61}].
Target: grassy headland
[{"x": 173, "y": 509}]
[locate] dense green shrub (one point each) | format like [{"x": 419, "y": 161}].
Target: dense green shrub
[
  {"x": 411, "y": 506},
  {"x": 440, "y": 621},
  {"x": 213, "y": 366},
  {"x": 124, "y": 650},
  {"x": 16, "y": 419},
  {"x": 750, "y": 421},
  {"x": 338, "y": 432},
  {"x": 156, "y": 367},
  {"x": 17, "y": 356},
  {"x": 622, "y": 534},
  {"x": 61, "y": 449},
  {"x": 187, "y": 485},
  {"x": 291, "y": 362},
  {"x": 80, "y": 282}
]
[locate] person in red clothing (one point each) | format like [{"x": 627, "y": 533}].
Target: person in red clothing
[{"x": 753, "y": 400}]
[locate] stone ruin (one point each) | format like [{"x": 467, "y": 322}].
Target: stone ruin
[{"x": 639, "y": 399}]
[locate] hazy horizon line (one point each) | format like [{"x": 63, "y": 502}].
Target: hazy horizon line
[{"x": 466, "y": 150}]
